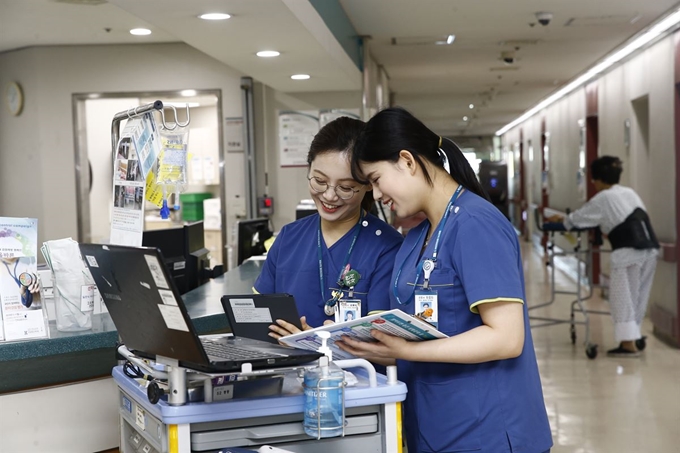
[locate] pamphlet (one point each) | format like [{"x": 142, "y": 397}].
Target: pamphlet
[
  {"x": 394, "y": 322},
  {"x": 136, "y": 154},
  {"x": 21, "y": 308}
]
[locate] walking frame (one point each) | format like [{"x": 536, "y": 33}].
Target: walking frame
[{"x": 584, "y": 255}]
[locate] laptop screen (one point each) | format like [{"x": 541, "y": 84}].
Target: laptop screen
[{"x": 143, "y": 302}]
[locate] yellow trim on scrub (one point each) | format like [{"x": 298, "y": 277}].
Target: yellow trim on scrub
[
  {"x": 474, "y": 309},
  {"x": 255, "y": 291},
  {"x": 400, "y": 437},
  {"x": 173, "y": 439}
]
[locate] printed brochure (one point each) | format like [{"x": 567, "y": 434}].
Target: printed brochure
[{"x": 394, "y": 322}]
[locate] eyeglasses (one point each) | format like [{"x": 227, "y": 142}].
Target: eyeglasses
[{"x": 320, "y": 186}]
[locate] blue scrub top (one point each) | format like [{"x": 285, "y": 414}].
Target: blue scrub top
[
  {"x": 491, "y": 407},
  {"x": 292, "y": 266}
]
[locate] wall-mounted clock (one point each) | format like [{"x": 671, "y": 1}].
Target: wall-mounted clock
[{"x": 14, "y": 98}]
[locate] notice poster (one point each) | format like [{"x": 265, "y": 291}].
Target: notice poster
[
  {"x": 326, "y": 116},
  {"x": 296, "y": 132},
  {"x": 129, "y": 183},
  {"x": 21, "y": 307},
  {"x": 233, "y": 131}
]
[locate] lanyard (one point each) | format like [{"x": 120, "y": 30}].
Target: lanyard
[
  {"x": 357, "y": 228},
  {"x": 419, "y": 269}
]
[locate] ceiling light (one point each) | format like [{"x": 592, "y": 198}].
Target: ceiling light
[
  {"x": 188, "y": 93},
  {"x": 215, "y": 16},
  {"x": 140, "y": 31},
  {"x": 644, "y": 38},
  {"x": 268, "y": 53},
  {"x": 471, "y": 106},
  {"x": 465, "y": 118},
  {"x": 449, "y": 40},
  {"x": 300, "y": 76}
]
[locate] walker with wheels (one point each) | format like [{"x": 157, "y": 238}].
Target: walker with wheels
[{"x": 584, "y": 255}]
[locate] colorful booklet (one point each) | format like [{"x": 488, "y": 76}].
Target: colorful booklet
[{"x": 394, "y": 322}]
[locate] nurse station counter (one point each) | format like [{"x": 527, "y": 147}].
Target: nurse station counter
[{"x": 68, "y": 393}]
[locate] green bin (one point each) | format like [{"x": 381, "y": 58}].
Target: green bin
[{"x": 192, "y": 205}]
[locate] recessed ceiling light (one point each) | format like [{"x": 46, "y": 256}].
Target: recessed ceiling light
[
  {"x": 268, "y": 53},
  {"x": 188, "y": 93},
  {"x": 465, "y": 118},
  {"x": 140, "y": 31},
  {"x": 300, "y": 76},
  {"x": 215, "y": 16},
  {"x": 471, "y": 106}
]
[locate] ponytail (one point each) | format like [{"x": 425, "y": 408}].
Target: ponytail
[{"x": 461, "y": 171}]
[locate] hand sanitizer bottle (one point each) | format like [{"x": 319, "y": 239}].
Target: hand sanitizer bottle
[{"x": 324, "y": 396}]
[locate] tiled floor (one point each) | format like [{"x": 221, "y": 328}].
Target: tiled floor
[{"x": 605, "y": 405}]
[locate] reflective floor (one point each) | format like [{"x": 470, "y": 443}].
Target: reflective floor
[{"x": 605, "y": 405}]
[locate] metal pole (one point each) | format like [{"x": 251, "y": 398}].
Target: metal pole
[
  {"x": 127, "y": 114},
  {"x": 249, "y": 146}
]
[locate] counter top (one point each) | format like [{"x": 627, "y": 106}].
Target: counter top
[{"x": 90, "y": 353}]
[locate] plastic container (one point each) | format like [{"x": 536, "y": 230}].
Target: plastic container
[
  {"x": 192, "y": 205},
  {"x": 324, "y": 388},
  {"x": 324, "y": 403}
]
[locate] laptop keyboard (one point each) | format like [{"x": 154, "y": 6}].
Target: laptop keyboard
[{"x": 230, "y": 352}]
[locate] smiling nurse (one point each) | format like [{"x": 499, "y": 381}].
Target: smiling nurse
[
  {"x": 339, "y": 255},
  {"x": 478, "y": 390}
]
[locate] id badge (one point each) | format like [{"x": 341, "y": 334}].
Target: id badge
[
  {"x": 426, "y": 306},
  {"x": 348, "y": 310}
]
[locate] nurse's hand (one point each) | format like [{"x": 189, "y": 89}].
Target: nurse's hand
[
  {"x": 283, "y": 328},
  {"x": 387, "y": 347}
]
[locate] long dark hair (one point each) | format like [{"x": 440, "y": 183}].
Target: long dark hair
[
  {"x": 394, "y": 129},
  {"x": 339, "y": 136}
]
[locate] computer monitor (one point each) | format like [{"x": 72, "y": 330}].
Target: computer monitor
[
  {"x": 184, "y": 252},
  {"x": 250, "y": 237},
  {"x": 305, "y": 208}
]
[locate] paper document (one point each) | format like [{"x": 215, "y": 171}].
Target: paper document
[{"x": 394, "y": 322}]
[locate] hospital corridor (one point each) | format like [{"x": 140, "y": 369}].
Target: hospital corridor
[{"x": 605, "y": 405}]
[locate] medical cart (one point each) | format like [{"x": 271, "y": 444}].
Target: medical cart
[{"x": 372, "y": 420}]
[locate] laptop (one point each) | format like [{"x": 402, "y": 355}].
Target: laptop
[
  {"x": 152, "y": 320},
  {"x": 250, "y": 315}
]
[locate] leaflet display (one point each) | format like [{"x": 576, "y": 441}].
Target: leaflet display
[{"x": 394, "y": 322}]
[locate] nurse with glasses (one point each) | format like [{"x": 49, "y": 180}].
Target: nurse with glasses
[{"x": 341, "y": 257}]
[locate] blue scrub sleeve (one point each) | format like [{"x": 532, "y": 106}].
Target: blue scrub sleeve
[
  {"x": 380, "y": 293},
  {"x": 266, "y": 282},
  {"x": 487, "y": 261}
]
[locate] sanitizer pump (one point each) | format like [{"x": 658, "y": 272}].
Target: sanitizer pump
[{"x": 324, "y": 396}]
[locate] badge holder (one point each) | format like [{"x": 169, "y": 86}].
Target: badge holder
[{"x": 426, "y": 299}]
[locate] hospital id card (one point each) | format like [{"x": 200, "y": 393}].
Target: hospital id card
[
  {"x": 348, "y": 310},
  {"x": 426, "y": 306}
]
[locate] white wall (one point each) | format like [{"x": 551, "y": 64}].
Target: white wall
[{"x": 37, "y": 148}]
